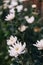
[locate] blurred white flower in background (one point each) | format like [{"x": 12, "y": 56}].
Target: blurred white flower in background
[
  {"x": 19, "y": 8},
  {"x": 29, "y": 19},
  {"x": 26, "y": 17},
  {"x": 25, "y": 9},
  {"x": 34, "y": 6},
  {"x": 39, "y": 44},
  {"x": 6, "y": 1},
  {"x": 17, "y": 49},
  {"x": 22, "y": 0},
  {"x": 22, "y": 28},
  {"x": 1, "y": 12},
  {"x": 10, "y": 6},
  {"x": 12, "y": 11},
  {"x": 35, "y": 13},
  {"x": 12, "y": 40},
  {"x": 5, "y": 6},
  {"x": 14, "y": 3}
]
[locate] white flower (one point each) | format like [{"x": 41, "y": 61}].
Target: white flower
[
  {"x": 39, "y": 44},
  {"x": 29, "y": 20},
  {"x": 12, "y": 10},
  {"x": 34, "y": 6},
  {"x": 14, "y": 3},
  {"x": 26, "y": 17},
  {"x": 5, "y": 6},
  {"x": 22, "y": 0},
  {"x": 22, "y": 28},
  {"x": 1, "y": 12},
  {"x": 10, "y": 6},
  {"x": 25, "y": 9},
  {"x": 19, "y": 8},
  {"x": 6, "y": 1},
  {"x": 10, "y": 17},
  {"x": 17, "y": 49},
  {"x": 12, "y": 40}
]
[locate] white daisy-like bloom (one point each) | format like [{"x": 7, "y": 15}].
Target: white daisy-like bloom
[
  {"x": 12, "y": 40},
  {"x": 29, "y": 19},
  {"x": 34, "y": 6},
  {"x": 17, "y": 49},
  {"x": 19, "y": 8},
  {"x": 14, "y": 3},
  {"x": 22, "y": 28},
  {"x": 39, "y": 44},
  {"x": 10, "y": 17}
]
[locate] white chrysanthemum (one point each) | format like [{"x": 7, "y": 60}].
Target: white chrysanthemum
[
  {"x": 30, "y": 20},
  {"x": 19, "y": 8},
  {"x": 22, "y": 28},
  {"x": 14, "y": 3},
  {"x": 12, "y": 40},
  {"x": 9, "y": 17},
  {"x": 17, "y": 49},
  {"x": 34, "y": 6},
  {"x": 39, "y": 44}
]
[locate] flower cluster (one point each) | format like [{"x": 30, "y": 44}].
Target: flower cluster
[
  {"x": 13, "y": 5},
  {"x": 15, "y": 47}
]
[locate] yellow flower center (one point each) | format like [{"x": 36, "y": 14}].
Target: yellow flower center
[
  {"x": 17, "y": 49},
  {"x": 12, "y": 40}
]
